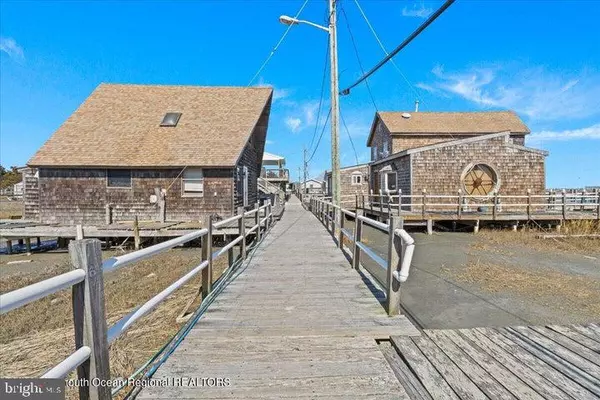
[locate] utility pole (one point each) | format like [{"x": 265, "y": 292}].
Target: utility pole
[
  {"x": 299, "y": 179},
  {"x": 335, "y": 110},
  {"x": 305, "y": 167}
]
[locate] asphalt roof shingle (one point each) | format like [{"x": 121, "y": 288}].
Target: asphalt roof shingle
[{"x": 119, "y": 126}]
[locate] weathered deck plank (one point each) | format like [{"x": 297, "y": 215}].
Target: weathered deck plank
[{"x": 297, "y": 322}]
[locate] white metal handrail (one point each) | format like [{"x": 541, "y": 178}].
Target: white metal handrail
[
  {"x": 87, "y": 276},
  {"x": 400, "y": 246},
  {"x": 36, "y": 291}
]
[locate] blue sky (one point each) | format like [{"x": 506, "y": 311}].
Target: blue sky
[{"x": 541, "y": 59}]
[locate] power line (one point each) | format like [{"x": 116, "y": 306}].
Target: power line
[
  {"x": 349, "y": 136},
  {"x": 320, "y": 136},
  {"x": 415, "y": 91},
  {"x": 358, "y": 57},
  {"x": 402, "y": 45},
  {"x": 322, "y": 93},
  {"x": 264, "y": 64}
]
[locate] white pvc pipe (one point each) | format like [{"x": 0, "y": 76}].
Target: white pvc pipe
[
  {"x": 409, "y": 242},
  {"x": 120, "y": 261},
  {"x": 372, "y": 222},
  {"x": 124, "y": 323},
  {"x": 36, "y": 291},
  {"x": 63, "y": 368}
]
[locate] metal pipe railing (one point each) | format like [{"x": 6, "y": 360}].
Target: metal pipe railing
[{"x": 88, "y": 298}]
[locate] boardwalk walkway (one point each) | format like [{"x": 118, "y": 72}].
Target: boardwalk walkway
[{"x": 298, "y": 322}]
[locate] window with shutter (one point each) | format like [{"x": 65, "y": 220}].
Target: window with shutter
[{"x": 193, "y": 182}]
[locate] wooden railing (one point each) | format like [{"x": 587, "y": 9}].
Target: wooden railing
[
  {"x": 495, "y": 204},
  {"x": 92, "y": 336},
  {"x": 399, "y": 250}
]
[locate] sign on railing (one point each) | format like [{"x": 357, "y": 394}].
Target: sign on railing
[
  {"x": 92, "y": 336},
  {"x": 400, "y": 245}
]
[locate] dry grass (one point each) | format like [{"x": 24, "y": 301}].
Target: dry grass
[
  {"x": 529, "y": 237},
  {"x": 564, "y": 292},
  {"x": 39, "y": 335},
  {"x": 10, "y": 209}
]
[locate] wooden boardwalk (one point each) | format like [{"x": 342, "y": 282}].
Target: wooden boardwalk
[
  {"x": 297, "y": 322},
  {"x": 554, "y": 362}
]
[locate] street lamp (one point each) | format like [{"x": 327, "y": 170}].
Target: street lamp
[{"x": 335, "y": 111}]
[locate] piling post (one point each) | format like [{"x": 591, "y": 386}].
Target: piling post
[
  {"x": 207, "y": 256},
  {"x": 108, "y": 214},
  {"x": 529, "y": 204},
  {"x": 424, "y": 202},
  {"x": 429, "y": 226},
  {"x": 357, "y": 238},
  {"x": 564, "y": 204},
  {"x": 89, "y": 318},
  {"x": 28, "y": 245},
  {"x": 9, "y": 248},
  {"x": 136, "y": 233},
  {"x": 399, "y": 201},
  {"x": 476, "y": 227},
  {"x": 495, "y": 206},
  {"x": 381, "y": 203},
  {"x": 242, "y": 231},
  {"x": 257, "y": 220},
  {"x": 394, "y": 264},
  {"x": 79, "y": 232},
  {"x": 341, "y": 230}
]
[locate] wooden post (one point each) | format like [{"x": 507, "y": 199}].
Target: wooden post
[
  {"x": 207, "y": 256},
  {"x": 371, "y": 201},
  {"x": 476, "y": 227},
  {"x": 564, "y": 204},
  {"x": 582, "y": 207},
  {"x": 230, "y": 257},
  {"x": 28, "y": 245},
  {"x": 381, "y": 203},
  {"x": 327, "y": 216},
  {"x": 357, "y": 238},
  {"x": 495, "y": 207},
  {"x": 389, "y": 206},
  {"x": 269, "y": 216},
  {"x": 79, "y": 232},
  {"x": 424, "y": 202},
  {"x": 429, "y": 226},
  {"x": 356, "y": 201},
  {"x": 38, "y": 242},
  {"x": 341, "y": 233},
  {"x": 460, "y": 201},
  {"x": 394, "y": 263},
  {"x": 399, "y": 201},
  {"x": 89, "y": 317},
  {"x": 242, "y": 231},
  {"x": 136, "y": 233},
  {"x": 257, "y": 220},
  {"x": 9, "y": 248},
  {"x": 528, "y": 204},
  {"x": 108, "y": 214}
]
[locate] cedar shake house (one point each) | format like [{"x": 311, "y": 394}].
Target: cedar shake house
[
  {"x": 441, "y": 152},
  {"x": 354, "y": 181},
  {"x": 177, "y": 153}
]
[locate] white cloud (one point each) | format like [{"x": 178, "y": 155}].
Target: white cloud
[
  {"x": 417, "y": 10},
  {"x": 534, "y": 92},
  {"x": 591, "y": 132},
  {"x": 10, "y": 47},
  {"x": 293, "y": 123},
  {"x": 278, "y": 93},
  {"x": 269, "y": 142}
]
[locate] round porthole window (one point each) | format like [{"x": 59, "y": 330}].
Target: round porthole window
[{"x": 480, "y": 180}]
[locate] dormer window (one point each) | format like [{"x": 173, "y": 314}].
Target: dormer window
[{"x": 170, "y": 119}]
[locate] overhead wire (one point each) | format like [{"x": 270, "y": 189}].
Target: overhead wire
[
  {"x": 402, "y": 45},
  {"x": 264, "y": 64},
  {"x": 325, "y": 64},
  {"x": 320, "y": 136},
  {"x": 349, "y": 136},
  {"x": 410, "y": 85}
]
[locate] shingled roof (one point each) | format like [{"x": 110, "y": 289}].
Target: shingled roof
[
  {"x": 119, "y": 126},
  {"x": 450, "y": 123}
]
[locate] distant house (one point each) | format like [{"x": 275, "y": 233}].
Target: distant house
[
  {"x": 157, "y": 152},
  {"x": 312, "y": 186},
  {"x": 479, "y": 153},
  {"x": 274, "y": 171},
  {"x": 354, "y": 181}
]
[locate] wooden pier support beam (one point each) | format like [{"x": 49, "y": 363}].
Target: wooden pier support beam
[
  {"x": 38, "y": 241},
  {"x": 257, "y": 220},
  {"x": 242, "y": 232},
  {"x": 136, "y": 233},
  {"x": 207, "y": 255},
  {"x": 476, "y": 227},
  {"x": 9, "y": 248},
  {"x": 429, "y": 226},
  {"x": 28, "y": 245},
  {"x": 357, "y": 238}
]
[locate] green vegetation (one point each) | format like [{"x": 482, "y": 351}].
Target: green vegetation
[{"x": 9, "y": 177}]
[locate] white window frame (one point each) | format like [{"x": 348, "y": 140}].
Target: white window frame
[
  {"x": 192, "y": 186},
  {"x": 385, "y": 180},
  {"x": 357, "y": 178}
]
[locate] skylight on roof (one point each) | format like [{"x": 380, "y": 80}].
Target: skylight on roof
[{"x": 170, "y": 119}]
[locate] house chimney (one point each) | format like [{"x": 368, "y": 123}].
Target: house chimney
[{"x": 416, "y": 105}]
